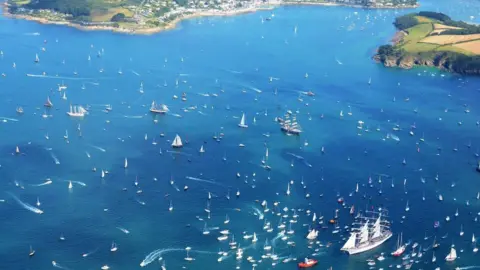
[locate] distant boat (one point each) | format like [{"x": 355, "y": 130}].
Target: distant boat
[
  {"x": 32, "y": 252},
  {"x": 114, "y": 247},
  {"x": 156, "y": 109},
  {"x": 291, "y": 126},
  {"x": 452, "y": 256},
  {"x": 400, "y": 247},
  {"x": 77, "y": 111},
  {"x": 242, "y": 122},
  {"x": 177, "y": 142},
  {"x": 48, "y": 103},
  {"x": 126, "y": 163},
  {"x": 202, "y": 150},
  {"x": 37, "y": 60},
  {"x": 70, "y": 185}
]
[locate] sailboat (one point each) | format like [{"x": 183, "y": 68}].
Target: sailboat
[
  {"x": 32, "y": 252},
  {"x": 37, "y": 60},
  {"x": 312, "y": 235},
  {"x": 76, "y": 111},
  {"x": 70, "y": 185},
  {"x": 254, "y": 239},
  {"x": 48, "y": 103},
  {"x": 177, "y": 142},
  {"x": 266, "y": 166},
  {"x": 288, "y": 189},
  {"x": 126, "y": 163},
  {"x": 170, "y": 208},
  {"x": 227, "y": 220},
  {"x": 202, "y": 150},
  {"x": 400, "y": 247},
  {"x": 162, "y": 109},
  {"x": 291, "y": 126},
  {"x": 452, "y": 256},
  {"x": 38, "y": 202},
  {"x": 242, "y": 122},
  {"x": 114, "y": 247}
]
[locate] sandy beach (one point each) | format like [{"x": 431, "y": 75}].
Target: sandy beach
[{"x": 173, "y": 24}]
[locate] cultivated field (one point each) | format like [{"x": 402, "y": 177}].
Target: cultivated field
[
  {"x": 449, "y": 39},
  {"x": 472, "y": 46}
]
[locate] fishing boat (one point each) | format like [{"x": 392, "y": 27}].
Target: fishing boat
[
  {"x": 367, "y": 236},
  {"x": 308, "y": 263},
  {"x": 291, "y": 126},
  {"x": 77, "y": 111},
  {"x": 452, "y": 256},
  {"x": 242, "y": 122},
  {"x": 177, "y": 142},
  {"x": 162, "y": 108},
  {"x": 48, "y": 103}
]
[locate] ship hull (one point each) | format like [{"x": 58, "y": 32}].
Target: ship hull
[
  {"x": 289, "y": 131},
  {"x": 368, "y": 247}
]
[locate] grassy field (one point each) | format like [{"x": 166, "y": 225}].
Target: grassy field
[
  {"x": 104, "y": 15},
  {"x": 419, "y": 39}
]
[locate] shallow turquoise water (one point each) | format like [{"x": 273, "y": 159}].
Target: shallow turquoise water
[{"x": 236, "y": 55}]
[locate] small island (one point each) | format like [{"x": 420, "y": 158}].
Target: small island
[
  {"x": 433, "y": 39},
  {"x": 150, "y": 16}
]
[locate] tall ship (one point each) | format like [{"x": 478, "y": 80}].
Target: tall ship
[
  {"x": 162, "y": 108},
  {"x": 369, "y": 233},
  {"x": 77, "y": 111},
  {"x": 290, "y": 125}
]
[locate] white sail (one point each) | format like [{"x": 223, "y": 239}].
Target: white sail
[
  {"x": 177, "y": 142},
  {"x": 364, "y": 233},
  {"x": 452, "y": 255},
  {"x": 202, "y": 150},
  {"x": 350, "y": 242},
  {"x": 242, "y": 122},
  {"x": 377, "y": 230},
  {"x": 126, "y": 163}
]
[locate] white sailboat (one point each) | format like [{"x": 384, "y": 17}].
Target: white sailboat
[
  {"x": 70, "y": 185},
  {"x": 452, "y": 256},
  {"x": 202, "y": 150},
  {"x": 162, "y": 109},
  {"x": 288, "y": 189},
  {"x": 114, "y": 247},
  {"x": 177, "y": 142},
  {"x": 170, "y": 208},
  {"x": 37, "y": 59},
  {"x": 242, "y": 122},
  {"x": 125, "y": 165},
  {"x": 254, "y": 239}
]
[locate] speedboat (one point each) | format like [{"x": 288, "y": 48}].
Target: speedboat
[{"x": 307, "y": 263}]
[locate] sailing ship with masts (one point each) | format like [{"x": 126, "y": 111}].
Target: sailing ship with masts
[
  {"x": 177, "y": 142},
  {"x": 370, "y": 233},
  {"x": 290, "y": 125},
  {"x": 162, "y": 108},
  {"x": 48, "y": 103},
  {"x": 77, "y": 111}
]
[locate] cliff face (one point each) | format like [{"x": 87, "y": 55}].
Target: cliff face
[{"x": 438, "y": 60}]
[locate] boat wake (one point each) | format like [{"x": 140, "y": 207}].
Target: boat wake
[
  {"x": 178, "y": 153},
  {"x": 9, "y": 119},
  {"x": 136, "y": 73},
  {"x": 26, "y": 205},
  {"x": 123, "y": 230},
  {"x": 55, "y": 264},
  {"x": 157, "y": 254},
  {"x": 55, "y": 158},
  {"x": 133, "y": 116},
  {"x": 56, "y": 77},
  {"x": 47, "y": 182},
  {"x": 202, "y": 180},
  {"x": 256, "y": 90},
  {"x": 32, "y": 34},
  {"x": 234, "y": 71},
  {"x": 258, "y": 212},
  {"x": 79, "y": 183},
  {"x": 469, "y": 267},
  {"x": 99, "y": 148}
]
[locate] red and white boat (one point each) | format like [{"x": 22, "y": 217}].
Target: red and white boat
[
  {"x": 400, "y": 247},
  {"x": 308, "y": 263}
]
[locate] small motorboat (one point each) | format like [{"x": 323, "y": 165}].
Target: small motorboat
[{"x": 307, "y": 263}]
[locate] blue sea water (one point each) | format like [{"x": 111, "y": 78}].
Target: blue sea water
[{"x": 233, "y": 57}]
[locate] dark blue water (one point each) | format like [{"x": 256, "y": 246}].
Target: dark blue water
[{"x": 234, "y": 58}]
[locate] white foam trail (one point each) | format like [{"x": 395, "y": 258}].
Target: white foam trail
[
  {"x": 393, "y": 136},
  {"x": 32, "y": 34},
  {"x": 256, "y": 90},
  {"x": 79, "y": 183},
  {"x": 47, "y": 182},
  {"x": 176, "y": 115},
  {"x": 56, "y": 77},
  {"x": 183, "y": 75},
  {"x": 9, "y": 119},
  {"x": 133, "y": 116},
  {"x": 55, "y": 264},
  {"x": 26, "y": 205},
  {"x": 258, "y": 212},
  {"x": 234, "y": 71},
  {"x": 469, "y": 267},
  {"x": 123, "y": 230},
  {"x": 179, "y": 153},
  {"x": 202, "y": 180},
  {"x": 157, "y": 254},
  {"x": 136, "y": 73},
  {"x": 98, "y": 148},
  {"x": 296, "y": 156},
  {"x": 55, "y": 158}
]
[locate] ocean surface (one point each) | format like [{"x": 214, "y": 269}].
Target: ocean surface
[{"x": 224, "y": 65}]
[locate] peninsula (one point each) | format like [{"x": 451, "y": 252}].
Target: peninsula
[
  {"x": 150, "y": 16},
  {"x": 433, "y": 39}
]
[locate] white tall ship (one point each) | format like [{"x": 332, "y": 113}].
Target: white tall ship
[
  {"x": 162, "y": 108},
  {"x": 77, "y": 111},
  {"x": 371, "y": 233}
]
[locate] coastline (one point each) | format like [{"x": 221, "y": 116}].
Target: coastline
[{"x": 173, "y": 24}]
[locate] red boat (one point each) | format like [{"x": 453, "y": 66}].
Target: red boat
[{"x": 308, "y": 263}]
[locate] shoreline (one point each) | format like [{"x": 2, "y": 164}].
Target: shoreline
[{"x": 173, "y": 24}]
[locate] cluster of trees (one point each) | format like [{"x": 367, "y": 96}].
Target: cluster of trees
[
  {"x": 76, "y": 8},
  {"x": 405, "y": 21},
  {"x": 119, "y": 17}
]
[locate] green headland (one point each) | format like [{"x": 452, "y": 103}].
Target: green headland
[{"x": 433, "y": 39}]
